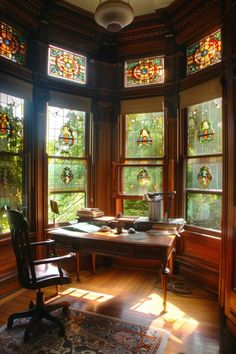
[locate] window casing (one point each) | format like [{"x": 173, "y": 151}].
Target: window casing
[
  {"x": 203, "y": 164},
  {"x": 67, "y": 150},
  {"x": 141, "y": 166}
]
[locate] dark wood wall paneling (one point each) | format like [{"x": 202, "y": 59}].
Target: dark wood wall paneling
[{"x": 167, "y": 32}]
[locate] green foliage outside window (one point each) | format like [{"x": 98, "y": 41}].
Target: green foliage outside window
[
  {"x": 135, "y": 207},
  {"x": 11, "y": 160}
]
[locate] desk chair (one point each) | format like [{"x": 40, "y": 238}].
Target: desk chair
[{"x": 36, "y": 274}]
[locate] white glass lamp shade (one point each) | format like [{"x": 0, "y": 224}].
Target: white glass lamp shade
[{"x": 114, "y": 15}]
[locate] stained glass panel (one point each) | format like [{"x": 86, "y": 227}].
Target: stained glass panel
[
  {"x": 59, "y": 171},
  {"x": 66, "y": 132},
  {"x": 205, "y": 128},
  {"x": 66, "y": 65},
  {"x": 140, "y": 180},
  {"x": 204, "y": 210},
  {"x": 145, "y": 71},
  {"x": 144, "y": 135},
  {"x": 204, "y": 53},
  {"x": 205, "y": 173},
  {"x": 12, "y": 44}
]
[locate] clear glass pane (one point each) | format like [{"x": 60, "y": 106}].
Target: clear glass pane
[
  {"x": 10, "y": 187},
  {"x": 144, "y": 135},
  {"x": 64, "y": 174},
  {"x": 66, "y": 132},
  {"x": 140, "y": 180},
  {"x": 205, "y": 173},
  {"x": 67, "y": 203},
  {"x": 205, "y": 128},
  {"x": 135, "y": 207},
  {"x": 204, "y": 210},
  {"x": 11, "y": 123}
]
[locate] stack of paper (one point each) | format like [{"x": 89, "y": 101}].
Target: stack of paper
[{"x": 90, "y": 213}]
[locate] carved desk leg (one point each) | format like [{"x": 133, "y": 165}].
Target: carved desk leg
[{"x": 164, "y": 280}]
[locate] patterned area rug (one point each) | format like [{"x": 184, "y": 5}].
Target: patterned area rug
[{"x": 85, "y": 333}]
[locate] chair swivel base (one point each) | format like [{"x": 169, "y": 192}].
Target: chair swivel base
[{"x": 37, "y": 312}]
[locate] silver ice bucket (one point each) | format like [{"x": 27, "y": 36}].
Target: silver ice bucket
[{"x": 155, "y": 209}]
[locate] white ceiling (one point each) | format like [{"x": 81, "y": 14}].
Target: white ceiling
[{"x": 140, "y": 7}]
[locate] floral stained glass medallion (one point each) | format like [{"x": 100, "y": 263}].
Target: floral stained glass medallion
[
  {"x": 67, "y": 175},
  {"x": 205, "y": 132},
  {"x": 204, "y": 176},
  {"x": 12, "y": 44},
  {"x": 66, "y": 138},
  {"x": 6, "y": 128},
  {"x": 144, "y": 71},
  {"x": 144, "y": 137},
  {"x": 66, "y": 65},
  {"x": 204, "y": 53},
  {"x": 143, "y": 177}
]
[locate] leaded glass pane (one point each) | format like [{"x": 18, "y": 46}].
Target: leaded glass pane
[
  {"x": 145, "y": 71},
  {"x": 205, "y": 128},
  {"x": 66, "y": 132},
  {"x": 10, "y": 187},
  {"x": 68, "y": 203},
  {"x": 11, "y": 123},
  {"x": 204, "y": 53},
  {"x": 66, "y": 65},
  {"x": 205, "y": 173},
  {"x": 64, "y": 174},
  {"x": 140, "y": 180},
  {"x": 135, "y": 207},
  {"x": 204, "y": 210},
  {"x": 144, "y": 135},
  {"x": 12, "y": 44}
]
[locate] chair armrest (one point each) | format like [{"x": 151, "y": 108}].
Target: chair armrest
[
  {"x": 43, "y": 243},
  {"x": 54, "y": 259}
]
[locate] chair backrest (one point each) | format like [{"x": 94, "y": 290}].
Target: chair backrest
[{"x": 21, "y": 245}]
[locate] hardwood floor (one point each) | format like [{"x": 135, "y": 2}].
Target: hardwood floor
[{"x": 134, "y": 295}]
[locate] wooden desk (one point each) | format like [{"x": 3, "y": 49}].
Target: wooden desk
[{"x": 140, "y": 245}]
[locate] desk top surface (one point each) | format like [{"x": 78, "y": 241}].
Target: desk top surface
[{"x": 139, "y": 238}]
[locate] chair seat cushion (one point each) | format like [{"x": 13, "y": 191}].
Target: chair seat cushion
[{"x": 47, "y": 275}]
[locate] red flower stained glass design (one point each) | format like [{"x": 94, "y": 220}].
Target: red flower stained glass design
[
  {"x": 6, "y": 129},
  {"x": 66, "y": 136},
  {"x": 145, "y": 71},
  {"x": 204, "y": 176},
  {"x": 66, "y": 65},
  {"x": 204, "y": 53},
  {"x": 205, "y": 132},
  {"x": 144, "y": 138},
  {"x": 143, "y": 177},
  {"x": 12, "y": 44},
  {"x": 67, "y": 175}
]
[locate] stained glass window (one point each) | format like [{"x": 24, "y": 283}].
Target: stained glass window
[
  {"x": 145, "y": 135},
  {"x": 204, "y": 53},
  {"x": 144, "y": 71},
  {"x": 12, "y": 44},
  {"x": 67, "y": 162},
  {"x": 11, "y": 156},
  {"x": 66, "y": 65},
  {"x": 204, "y": 165}
]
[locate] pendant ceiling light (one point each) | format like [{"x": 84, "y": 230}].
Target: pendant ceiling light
[{"x": 114, "y": 14}]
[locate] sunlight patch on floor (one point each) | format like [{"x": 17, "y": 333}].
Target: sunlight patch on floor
[{"x": 88, "y": 295}]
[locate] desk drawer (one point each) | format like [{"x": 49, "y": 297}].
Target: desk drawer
[
  {"x": 147, "y": 253},
  {"x": 106, "y": 248}
]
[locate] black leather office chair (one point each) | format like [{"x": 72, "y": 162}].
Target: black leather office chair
[{"x": 36, "y": 274}]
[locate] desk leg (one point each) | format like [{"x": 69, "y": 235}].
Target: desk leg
[
  {"x": 77, "y": 265},
  {"x": 93, "y": 262},
  {"x": 164, "y": 279}
]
